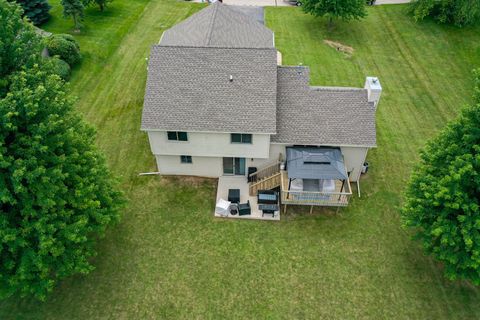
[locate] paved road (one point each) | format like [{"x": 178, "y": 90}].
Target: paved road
[
  {"x": 283, "y": 3},
  {"x": 255, "y": 13},
  {"x": 257, "y": 3}
]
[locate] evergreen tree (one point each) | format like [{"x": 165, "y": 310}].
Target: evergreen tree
[
  {"x": 74, "y": 9},
  {"x": 334, "y": 9},
  {"x": 443, "y": 195},
  {"x": 35, "y": 10}
]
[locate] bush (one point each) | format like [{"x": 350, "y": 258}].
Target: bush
[
  {"x": 60, "y": 68},
  {"x": 66, "y": 47}
]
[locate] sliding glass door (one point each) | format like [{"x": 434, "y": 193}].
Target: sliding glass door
[{"x": 234, "y": 166}]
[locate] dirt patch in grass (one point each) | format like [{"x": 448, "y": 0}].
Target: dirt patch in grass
[
  {"x": 348, "y": 51},
  {"x": 186, "y": 180}
]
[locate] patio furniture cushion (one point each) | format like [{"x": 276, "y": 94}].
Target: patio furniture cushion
[
  {"x": 222, "y": 207},
  {"x": 267, "y": 197}
]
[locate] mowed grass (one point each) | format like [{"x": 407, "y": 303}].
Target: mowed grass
[{"x": 169, "y": 258}]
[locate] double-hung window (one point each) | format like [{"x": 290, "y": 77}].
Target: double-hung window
[
  {"x": 186, "y": 159},
  {"x": 241, "y": 138},
  {"x": 177, "y": 136}
]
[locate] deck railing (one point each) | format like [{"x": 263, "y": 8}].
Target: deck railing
[
  {"x": 266, "y": 171},
  {"x": 314, "y": 198}
]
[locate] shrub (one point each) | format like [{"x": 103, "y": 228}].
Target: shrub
[
  {"x": 60, "y": 67},
  {"x": 66, "y": 47}
]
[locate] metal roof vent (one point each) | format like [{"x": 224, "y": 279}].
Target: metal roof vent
[{"x": 231, "y": 78}]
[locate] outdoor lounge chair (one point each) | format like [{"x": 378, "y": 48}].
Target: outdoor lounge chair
[{"x": 244, "y": 209}]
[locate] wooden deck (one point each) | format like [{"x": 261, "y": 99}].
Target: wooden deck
[{"x": 338, "y": 198}]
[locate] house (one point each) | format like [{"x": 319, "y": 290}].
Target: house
[{"x": 218, "y": 103}]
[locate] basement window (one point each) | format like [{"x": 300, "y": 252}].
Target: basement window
[{"x": 186, "y": 159}]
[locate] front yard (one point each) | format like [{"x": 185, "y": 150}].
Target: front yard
[{"x": 169, "y": 258}]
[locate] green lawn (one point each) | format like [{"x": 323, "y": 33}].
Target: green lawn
[{"x": 169, "y": 258}]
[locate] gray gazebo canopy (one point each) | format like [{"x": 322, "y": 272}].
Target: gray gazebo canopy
[{"x": 315, "y": 163}]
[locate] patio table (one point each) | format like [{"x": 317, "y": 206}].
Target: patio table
[{"x": 234, "y": 195}]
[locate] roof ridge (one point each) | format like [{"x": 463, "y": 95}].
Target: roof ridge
[
  {"x": 212, "y": 22},
  {"x": 159, "y": 45},
  {"x": 334, "y": 88}
]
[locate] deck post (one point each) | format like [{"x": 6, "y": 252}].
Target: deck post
[
  {"x": 311, "y": 209},
  {"x": 285, "y": 209}
]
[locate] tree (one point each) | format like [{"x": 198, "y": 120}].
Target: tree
[
  {"x": 102, "y": 4},
  {"x": 19, "y": 44},
  {"x": 344, "y": 9},
  {"x": 458, "y": 12},
  {"x": 74, "y": 9},
  {"x": 56, "y": 193},
  {"x": 35, "y": 10},
  {"x": 443, "y": 196}
]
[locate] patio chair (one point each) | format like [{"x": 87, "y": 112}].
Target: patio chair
[{"x": 244, "y": 209}]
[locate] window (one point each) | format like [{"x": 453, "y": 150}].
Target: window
[
  {"x": 241, "y": 138},
  {"x": 177, "y": 136},
  {"x": 186, "y": 159}
]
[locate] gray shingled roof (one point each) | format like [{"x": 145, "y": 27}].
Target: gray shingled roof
[
  {"x": 219, "y": 26},
  {"x": 321, "y": 115},
  {"x": 188, "y": 89}
]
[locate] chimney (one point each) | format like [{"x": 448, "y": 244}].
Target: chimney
[{"x": 374, "y": 90}]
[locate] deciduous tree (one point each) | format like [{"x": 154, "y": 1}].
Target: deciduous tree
[
  {"x": 335, "y": 9},
  {"x": 459, "y": 12},
  {"x": 19, "y": 45},
  {"x": 102, "y": 4},
  {"x": 56, "y": 192},
  {"x": 443, "y": 196}
]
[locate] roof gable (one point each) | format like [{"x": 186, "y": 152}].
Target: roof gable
[{"x": 219, "y": 26}]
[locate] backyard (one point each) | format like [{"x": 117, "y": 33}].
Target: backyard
[{"x": 170, "y": 258}]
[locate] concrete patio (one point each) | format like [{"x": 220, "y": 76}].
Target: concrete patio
[{"x": 240, "y": 182}]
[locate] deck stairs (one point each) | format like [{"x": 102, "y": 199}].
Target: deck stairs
[{"x": 265, "y": 178}]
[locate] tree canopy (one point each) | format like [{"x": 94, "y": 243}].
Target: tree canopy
[
  {"x": 334, "y": 9},
  {"x": 102, "y": 4},
  {"x": 56, "y": 193},
  {"x": 75, "y": 10},
  {"x": 35, "y": 10},
  {"x": 19, "y": 44},
  {"x": 443, "y": 195},
  {"x": 458, "y": 12}
]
